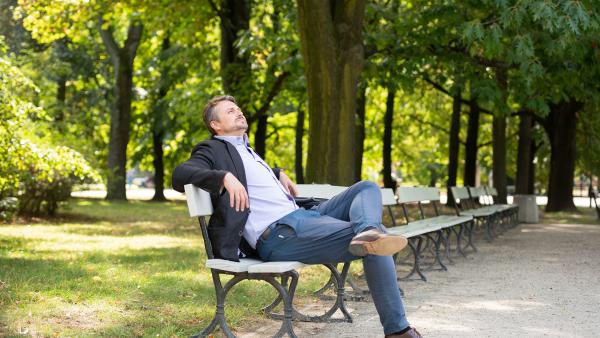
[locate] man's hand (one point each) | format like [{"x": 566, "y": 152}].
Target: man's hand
[
  {"x": 238, "y": 196},
  {"x": 287, "y": 183}
]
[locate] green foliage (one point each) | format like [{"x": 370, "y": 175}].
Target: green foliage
[
  {"x": 8, "y": 208},
  {"x": 40, "y": 175},
  {"x": 48, "y": 177},
  {"x": 549, "y": 49}
]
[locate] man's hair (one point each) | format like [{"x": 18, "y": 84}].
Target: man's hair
[{"x": 210, "y": 113}]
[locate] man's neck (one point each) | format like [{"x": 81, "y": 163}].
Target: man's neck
[{"x": 233, "y": 138}]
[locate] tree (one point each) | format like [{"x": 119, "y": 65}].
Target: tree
[
  {"x": 122, "y": 58},
  {"x": 388, "y": 182},
  {"x": 331, "y": 36}
]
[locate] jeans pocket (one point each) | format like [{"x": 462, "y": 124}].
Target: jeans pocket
[{"x": 284, "y": 231}]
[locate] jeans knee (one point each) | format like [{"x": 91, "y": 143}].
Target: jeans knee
[{"x": 367, "y": 185}]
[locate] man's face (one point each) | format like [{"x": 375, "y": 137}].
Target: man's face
[{"x": 230, "y": 120}]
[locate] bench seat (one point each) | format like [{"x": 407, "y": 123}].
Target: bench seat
[
  {"x": 253, "y": 265},
  {"x": 450, "y": 220},
  {"x": 481, "y": 212},
  {"x": 414, "y": 229},
  {"x": 231, "y": 266},
  {"x": 275, "y": 267}
]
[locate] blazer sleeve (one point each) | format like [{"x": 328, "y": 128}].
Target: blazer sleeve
[{"x": 200, "y": 171}]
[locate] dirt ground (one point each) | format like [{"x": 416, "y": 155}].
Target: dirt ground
[{"x": 536, "y": 280}]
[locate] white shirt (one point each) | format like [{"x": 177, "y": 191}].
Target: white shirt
[{"x": 269, "y": 200}]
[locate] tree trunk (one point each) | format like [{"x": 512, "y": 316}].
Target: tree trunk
[
  {"x": 499, "y": 156},
  {"x": 454, "y": 146},
  {"x": 159, "y": 166},
  {"x": 499, "y": 138},
  {"x": 61, "y": 95},
  {"x": 524, "y": 153},
  {"x": 158, "y": 126},
  {"x": 388, "y": 181},
  {"x": 235, "y": 66},
  {"x": 260, "y": 136},
  {"x": 331, "y": 36},
  {"x": 120, "y": 114},
  {"x": 298, "y": 146},
  {"x": 561, "y": 125},
  {"x": 360, "y": 129},
  {"x": 471, "y": 144}
]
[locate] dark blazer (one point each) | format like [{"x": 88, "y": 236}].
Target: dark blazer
[{"x": 208, "y": 164}]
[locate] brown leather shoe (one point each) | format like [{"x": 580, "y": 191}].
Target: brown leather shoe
[
  {"x": 412, "y": 333},
  {"x": 375, "y": 242}
]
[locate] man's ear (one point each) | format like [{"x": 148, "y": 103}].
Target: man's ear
[{"x": 215, "y": 125}]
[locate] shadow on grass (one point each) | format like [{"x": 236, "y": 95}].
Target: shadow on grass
[{"x": 150, "y": 291}]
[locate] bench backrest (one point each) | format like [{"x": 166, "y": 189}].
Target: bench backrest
[
  {"x": 477, "y": 192},
  {"x": 198, "y": 201},
  {"x": 460, "y": 193},
  {"x": 417, "y": 194},
  {"x": 200, "y": 205},
  {"x": 387, "y": 197},
  {"x": 326, "y": 191},
  {"x": 492, "y": 191}
]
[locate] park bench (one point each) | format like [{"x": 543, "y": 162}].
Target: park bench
[
  {"x": 200, "y": 206},
  {"x": 511, "y": 211},
  {"x": 422, "y": 229},
  {"x": 486, "y": 218},
  {"x": 324, "y": 192}
]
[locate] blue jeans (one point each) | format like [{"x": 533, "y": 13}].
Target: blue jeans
[{"x": 323, "y": 234}]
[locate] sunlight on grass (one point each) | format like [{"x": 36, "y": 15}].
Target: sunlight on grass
[
  {"x": 582, "y": 216},
  {"x": 114, "y": 269},
  {"x": 57, "y": 239}
]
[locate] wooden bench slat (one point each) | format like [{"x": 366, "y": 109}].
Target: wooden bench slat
[
  {"x": 275, "y": 267},
  {"x": 413, "y": 229},
  {"x": 388, "y": 197},
  {"x": 326, "y": 191},
  {"x": 226, "y": 265},
  {"x": 198, "y": 201}
]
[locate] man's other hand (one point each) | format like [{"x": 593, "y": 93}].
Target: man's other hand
[
  {"x": 238, "y": 196},
  {"x": 288, "y": 184}
]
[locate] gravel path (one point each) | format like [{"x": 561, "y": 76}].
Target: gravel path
[{"x": 537, "y": 280}]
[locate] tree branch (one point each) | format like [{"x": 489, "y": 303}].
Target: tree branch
[
  {"x": 216, "y": 9},
  {"x": 447, "y": 92},
  {"x": 109, "y": 41},
  {"x": 473, "y": 59},
  {"x": 134, "y": 36},
  {"x": 275, "y": 89}
]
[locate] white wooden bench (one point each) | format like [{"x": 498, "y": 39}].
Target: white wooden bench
[
  {"x": 425, "y": 227},
  {"x": 510, "y": 211},
  {"x": 200, "y": 206},
  {"x": 487, "y": 218},
  {"x": 325, "y": 192}
]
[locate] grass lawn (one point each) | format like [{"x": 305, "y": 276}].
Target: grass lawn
[
  {"x": 582, "y": 216},
  {"x": 118, "y": 270}
]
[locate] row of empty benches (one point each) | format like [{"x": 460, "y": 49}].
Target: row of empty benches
[{"x": 434, "y": 235}]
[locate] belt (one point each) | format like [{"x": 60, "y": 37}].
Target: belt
[{"x": 265, "y": 234}]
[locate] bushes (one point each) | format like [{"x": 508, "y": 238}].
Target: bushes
[
  {"x": 39, "y": 176},
  {"x": 49, "y": 176}
]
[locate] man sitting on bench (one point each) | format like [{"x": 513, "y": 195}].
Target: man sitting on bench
[{"x": 255, "y": 214}]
